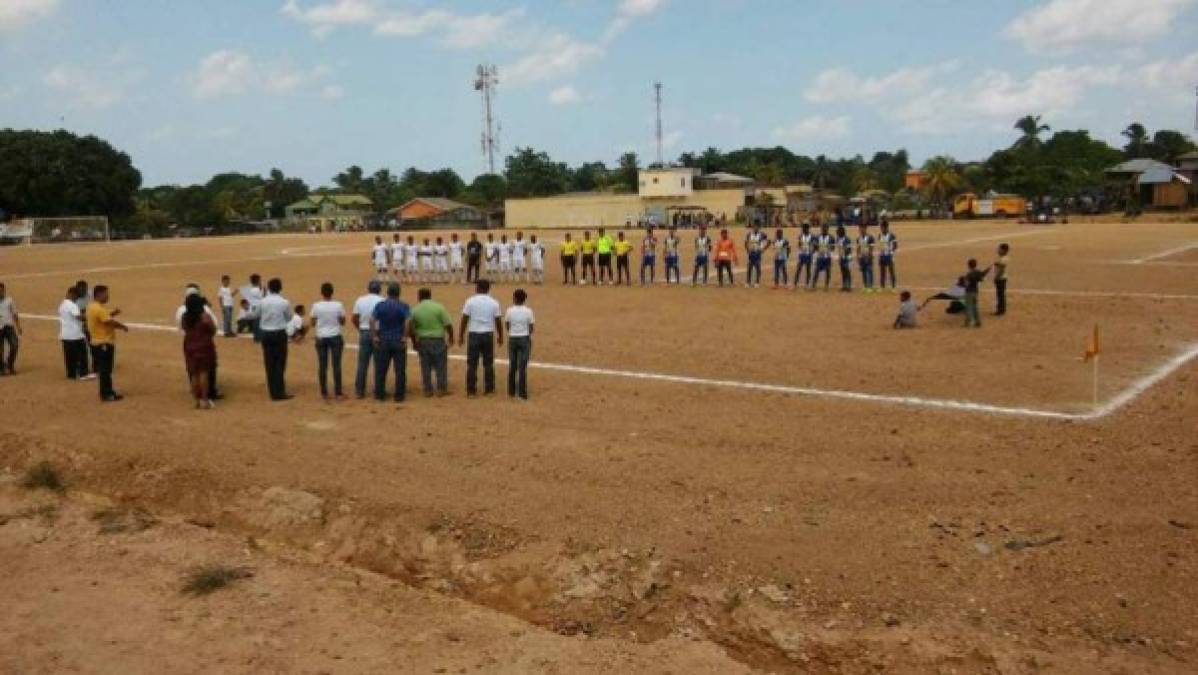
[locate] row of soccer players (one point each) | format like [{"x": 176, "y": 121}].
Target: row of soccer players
[
  {"x": 815, "y": 252},
  {"x": 437, "y": 261}
]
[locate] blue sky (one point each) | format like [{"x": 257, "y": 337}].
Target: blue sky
[{"x": 191, "y": 88}]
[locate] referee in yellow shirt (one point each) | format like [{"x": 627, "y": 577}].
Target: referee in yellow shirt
[
  {"x": 604, "y": 245},
  {"x": 587, "y": 247},
  {"x": 569, "y": 261},
  {"x": 623, "y": 247}
]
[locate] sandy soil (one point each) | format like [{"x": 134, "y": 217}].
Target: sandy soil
[{"x": 667, "y": 523}]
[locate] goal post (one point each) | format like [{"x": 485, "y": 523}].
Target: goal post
[{"x": 56, "y": 230}]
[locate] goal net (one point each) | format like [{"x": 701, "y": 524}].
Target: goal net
[{"x": 49, "y": 230}]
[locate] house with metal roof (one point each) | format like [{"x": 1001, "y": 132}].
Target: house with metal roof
[
  {"x": 1149, "y": 182},
  {"x": 437, "y": 213},
  {"x": 330, "y": 212}
]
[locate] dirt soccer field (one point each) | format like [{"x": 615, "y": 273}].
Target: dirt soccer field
[{"x": 704, "y": 479}]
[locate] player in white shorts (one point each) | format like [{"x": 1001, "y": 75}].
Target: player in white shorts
[
  {"x": 411, "y": 259},
  {"x": 505, "y": 258},
  {"x": 491, "y": 257},
  {"x": 426, "y": 260},
  {"x": 397, "y": 258},
  {"x": 519, "y": 267},
  {"x": 457, "y": 267},
  {"x": 441, "y": 261},
  {"x": 380, "y": 258},
  {"x": 536, "y": 258}
]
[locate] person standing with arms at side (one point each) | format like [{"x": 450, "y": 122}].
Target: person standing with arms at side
[
  {"x": 441, "y": 261},
  {"x": 536, "y": 260},
  {"x": 411, "y": 254},
  {"x": 10, "y": 332},
  {"x": 825, "y": 245},
  {"x": 389, "y": 328},
  {"x": 702, "y": 255},
  {"x": 362, "y": 314},
  {"x": 505, "y": 259},
  {"x": 474, "y": 257},
  {"x": 519, "y": 258},
  {"x": 74, "y": 341},
  {"x": 481, "y": 329},
  {"x": 888, "y": 244},
  {"x": 569, "y": 261},
  {"x": 844, "y": 251},
  {"x": 491, "y": 257},
  {"x": 431, "y": 331},
  {"x": 586, "y": 248},
  {"x": 457, "y": 266},
  {"x": 781, "y": 248},
  {"x": 622, "y": 248},
  {"x": 83, "y": 298},
  {"x": 102, "y": 326},
  {"x": 252, "y": 293},
  {"x": 274, "y": 313},
  {"x": 519, "y": 320},
  {"x": 648, "y": 258},
  {"x": 199, "y": 349},
  {"x": 604, "y": 245},
  {"x": 973, "y": 279},
  {"x": 190, "y": 290},
  {"x": 725, "y": 255},
  {"x": 1000, "y": 279},
  {"x": 380, "y": 256},
  {"x": 755, "y": 245},
  {"x": 227, "y": 302},
  {"x": 865, "y": 257},
  {"x": 397, "y": 251},
  {"x": 670, "y": 245},
  {"x": 806, "y": 252},
  {"x": 328, "y": 321}
]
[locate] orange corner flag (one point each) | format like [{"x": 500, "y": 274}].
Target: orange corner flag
[{"x": 1093, "y": 348}]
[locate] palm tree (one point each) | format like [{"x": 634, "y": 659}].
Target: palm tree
[
  {"x": 1137, "y": 140},
  {"x": 942, "y": 179},
  {"x": 1031, "y": 128},
  {"x": 865, "y": 178}
]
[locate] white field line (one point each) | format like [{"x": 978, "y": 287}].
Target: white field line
[
  {"x": 1079, "y": 294},
  {"x": 1120, "y": 400},
  {"x": 1163, "y": 254}
]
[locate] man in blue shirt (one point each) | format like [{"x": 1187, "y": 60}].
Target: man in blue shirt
[{"x": 388, "y": 330}]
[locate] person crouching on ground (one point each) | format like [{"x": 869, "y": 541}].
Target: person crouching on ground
[
  {"x": 199, "y": 349},
  {"x": 907, "y": 313},
  {"x": 519, "y": 320}
]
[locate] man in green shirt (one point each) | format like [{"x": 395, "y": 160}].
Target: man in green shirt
[
  {"x": 431, "y": 331},
  {"x": 604, "y": 246}
]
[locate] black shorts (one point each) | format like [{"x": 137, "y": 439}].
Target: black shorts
[
  {"x": 567, "y": 261},
  {"x": 605, "y": 260},
  {"x": 588, "y": 259}
]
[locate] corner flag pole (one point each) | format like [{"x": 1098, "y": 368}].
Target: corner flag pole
[
  {"x": 1096, "y": 379},
  {"x": 1093, "y": 350}
]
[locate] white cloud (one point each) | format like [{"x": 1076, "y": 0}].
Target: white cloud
[
  {"x": 332, "y": 92},
  {"x": 814, "y": 129},
  {"x": 88, "y": 89},
  {"x": 411, "y": 25},
  {"x": 565, "y": 95},
  {"x": 325, "y": 18},
  {"x": 228, "y": 72},
  {"x": 1066, "y": 24},
  {"x": 627, "y": 12},
  {"x": 840, "y": 85},
  {"x": 458, "y": 31},
  {"x": 555, "y": 56},
  {"x": 1166, "y": 73},
  {"x": 16, "y": 13}
]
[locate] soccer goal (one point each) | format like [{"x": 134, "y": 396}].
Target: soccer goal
[{"x": 53, "y": 230}]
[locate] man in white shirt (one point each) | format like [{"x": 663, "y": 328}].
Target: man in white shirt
[
  {"x": 491, "y": 255},
  {"x": 481, "y": 329},
  {"x": 274, "y": 313},
  {"x": 397, "y": 249},
  {"x": 426, "y": 261},
  {"x": 380, "y": 255},
  {"x": 252, "y": 294},
  {"x": 74, "y": 342},
  {"x": 536, "y": 256},
  {"x": 519, "y": 320},
  {"x": 457, "y": 266},
  {"x": 518, "y": 258},
  {"x": 363, "y": 310},
  {"x": 328, "y": 318},
  {"x": 411, "y": 259},
  {"x": 227, "y": 295},
  {"x": 441, "y": 261},
  {"x": 505, "y": 258},
  {"x": 10, "y": 332}
]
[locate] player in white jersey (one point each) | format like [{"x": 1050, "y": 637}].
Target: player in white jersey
[
  {"x": 505, "y": 258},
  {"x": 380, "y": 258},
  {"x": 441, "y": 261},
  {"x": 411, "y": 259},
  {"x": 536, "y": 258},
  {"x": 457, "y": 265},
  {"x": 397, "y": 258},
  {"x": 518, "y": 258},
  {"x": 426, "y": 260},
  {"x": 491, "y": 256}
]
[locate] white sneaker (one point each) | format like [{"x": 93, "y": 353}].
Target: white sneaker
[{"x": 89, "y": 376}]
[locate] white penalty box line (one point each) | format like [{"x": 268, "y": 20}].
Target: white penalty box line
[{"x": 1121, "y": 399}]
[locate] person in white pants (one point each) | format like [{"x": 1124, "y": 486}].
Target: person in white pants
[
  {"x": 505, "y": 258},
  {"x": 457, "y": 265},
  {"x": 519, "y": 266},
  {"x": 380, "y": 257},
  {"x": 441, "y": 261},
  {"x": 491, "y": 257},
  {"x": 536, "y": 257},
  {"x": 412, "y": 259},
  {"x": 397, "y": 251},
  {"x": 426, "y": 260}
]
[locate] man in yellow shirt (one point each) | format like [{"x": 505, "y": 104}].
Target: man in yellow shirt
[
  {"x": 587, "y": 247},
  {"x": 622, "y": 248},
  {"x": 102, "y": 326},
  {"x": 569, "y": 261},
  {"x": 604, "y": 245}
]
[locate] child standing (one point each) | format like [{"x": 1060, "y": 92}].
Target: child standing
[
  {"x": 1000, "y": 279},
  {"x": 973, "y": 278},
  {"x": 226, "y": 305}
]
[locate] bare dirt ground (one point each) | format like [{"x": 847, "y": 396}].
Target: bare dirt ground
[{"x": 629, "y": 524}]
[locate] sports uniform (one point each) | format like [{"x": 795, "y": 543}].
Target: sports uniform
[
  {"x": 702, "y": 256},
  {"x": 505, "y": 259},
  {"x": 754, "y": 246},
  {"x": 397, "y": 258},
  {"x": 649, "y": 258},
  {"x": 824, "y": 245},
  {"x": 519, "y": 265},
  {"x": 806, "y": 251},
  {"x": 536, "y": 259},
  {"x": 441, "y": 262},
  {"x": 457, "y": 264},
  {"x": 888, "y": 244},
  {"x": 781, "y": 258},
  {"x": 379, "y": 256},
  {"x": 671, "y": 244},
  {"x": 426, "y": 261},
  {"x": 844, "y": 251},
  {"x": 865, "y": 260},
  {"x": 412, "y": 259}
]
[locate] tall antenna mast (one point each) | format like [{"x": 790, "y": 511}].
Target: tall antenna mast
[
  {"x": 657, "y": 98},
  {"x": 487, "y": 81}
]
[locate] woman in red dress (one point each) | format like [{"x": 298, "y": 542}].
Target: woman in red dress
[{"x": 199, "y": 349}]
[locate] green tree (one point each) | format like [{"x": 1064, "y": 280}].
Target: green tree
[
  {"x": 350, "y": 181},
  {"x": 1167, "y": 145},
  {"x": 1030, "y": 127},
  {"x": 486, "y": 190},
  {"x": 282, "y": 191},
  {"x": 942, "y": 179},
  {"x": 1137, "y": 141},
  {"x": 60, "y": 174},
  {"x": 534, "y": 174},
  {"x": 627, "y": 175},
  {"x": 591, "y": 176}
]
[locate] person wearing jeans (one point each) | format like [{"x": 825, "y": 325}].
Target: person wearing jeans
[
  {"x": 431, "y": 331},
  {"x": 973, "y": 278},
  {"x": 274, "y": 314},
  {"x": 519, "y": 320},
  {"x": 363, "y": 311},
  {"x": 102, "y": 326},
  {"x": 328, "y": 321},
  {"x": 388, "y": 327},
  {"x": 481, "y": 329},
  {"x": 1000, "y": 279}
]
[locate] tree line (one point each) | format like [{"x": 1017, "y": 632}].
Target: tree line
[{"x": 61, "y": 174}]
